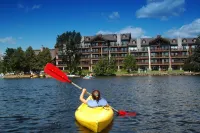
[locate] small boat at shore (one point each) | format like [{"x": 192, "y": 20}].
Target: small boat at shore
[
  {"x": 87, "y": 77},
  {"x": 71, "y": 75},
  {"x": 42, "y": 74},
  {"x": 95, "y": 119}
]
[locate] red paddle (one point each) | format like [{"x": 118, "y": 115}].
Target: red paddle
[{"x": 56, "y": 73}]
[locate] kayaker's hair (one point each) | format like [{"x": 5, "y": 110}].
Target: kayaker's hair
[{"x": 96, "y": 95}]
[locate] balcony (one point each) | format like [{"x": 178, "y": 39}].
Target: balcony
[
  {"x": 134, "y": 50},
  {"x": 142, "y": 50},
  {"x": 98, "y": 46},
  {"x": 104, "y": 51},
  {"x": 122, "y": 51},
  {"x": 85, "y": 52},
  {"x": 160, "y": 56},
  {"x": 99, "y": 52},
  {"x": 142, "y": 57},
  {"x": 159, "y": 50},
  {"x": 179, "y": 49},
  {"x": 178, "y": 63},
  {"x": 160, "y": 63},
  {"x": 179, "y": 56}
]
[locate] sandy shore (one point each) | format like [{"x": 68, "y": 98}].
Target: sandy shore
[{"x": 135, "y": 74}]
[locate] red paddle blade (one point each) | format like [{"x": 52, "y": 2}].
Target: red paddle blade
[
  {"x": 124, "y": 113},
  {"x": 56, "y": 73}
]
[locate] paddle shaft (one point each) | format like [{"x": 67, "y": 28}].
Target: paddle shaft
[{"x": 89, "y": 94}]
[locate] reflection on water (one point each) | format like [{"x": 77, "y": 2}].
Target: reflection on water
[
  {"x": 82, "y": 129},
  {"x": 162, "y": 103}
]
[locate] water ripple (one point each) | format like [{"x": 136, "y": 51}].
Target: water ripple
[{"x": 162, "y": 103}]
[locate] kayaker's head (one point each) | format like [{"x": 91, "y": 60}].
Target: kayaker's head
[{"x": 96, "y": 95}]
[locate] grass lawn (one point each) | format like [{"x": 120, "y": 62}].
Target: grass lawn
[{"x": 150, "y": 72}]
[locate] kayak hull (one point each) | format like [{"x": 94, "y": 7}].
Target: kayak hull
[{"x": 95, "y": 119}]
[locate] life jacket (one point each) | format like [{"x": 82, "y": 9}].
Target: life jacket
[{"x": 94, "y": 103}]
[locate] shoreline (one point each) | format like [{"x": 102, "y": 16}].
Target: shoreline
[
  {"x": 160, "y": 74},
  {"x": 117, "y": 75}
]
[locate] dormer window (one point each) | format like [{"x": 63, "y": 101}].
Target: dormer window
[
  {"x": 184, "y": 40},
  {"x": 123, "y": 36},
  {"x": 114, "y": 36},
  {"x": 134, "y": 42},
  {"x": 173, "y": 41},
  {"x": 143, "y": 41},
  {"x": 87, "y": 38},
  {"x": 194, "y": 40}
]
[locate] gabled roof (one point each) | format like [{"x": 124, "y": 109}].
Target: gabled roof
[
  {"x": 99, "y": 37},
  {"x": 159, "y": 40}
]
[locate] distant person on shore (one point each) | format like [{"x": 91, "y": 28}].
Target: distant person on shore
[{"x": 96, "y": 101}]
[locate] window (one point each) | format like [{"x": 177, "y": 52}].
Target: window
[
  {"x": 134, "y": 42},
  {"x": 143, "y": 41},
  {"x": 87, "y": 38},
  {"x": 174, "y": 47},
  {"x": 173, "y": 41},
  {"x": 123, "y": 36},
  {"x": 184, "y": 40}
]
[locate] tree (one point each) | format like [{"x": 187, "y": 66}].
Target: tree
[
  {"x": 7, "y": 59},
  {"x": 30, "y": 59},
  {"x": 68, "y": 43},
  {"x": 18, "y": 60},
  {"x": 42, "y": 59},
  {"x": 193, "y": 62},
  {"x": 129, "y": 63},
  {"x": 1, "y": 67},
  {"x": 105, "y": 66}
]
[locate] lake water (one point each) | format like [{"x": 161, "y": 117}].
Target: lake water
[{"x": 163, "y": 104}]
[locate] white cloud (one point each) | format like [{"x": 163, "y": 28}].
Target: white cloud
[
  {"x": 114, "y": 15},
  {"x": 28, "y": 8},
  {"x": 20, "y": 6},
  {"x": 36, "y": 7},
  {"x": 8, "y": 40},
  {"x": 135, "y": 32},
  {"x": 161, "y": 9},
  {"x": 188, "y": 30},
  {"x": 104, "y": 32}
]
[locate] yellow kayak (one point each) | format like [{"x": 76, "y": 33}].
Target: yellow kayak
[{"x": 95, "y": 119}]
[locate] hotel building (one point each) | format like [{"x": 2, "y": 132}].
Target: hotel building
[{"x": 150, "y": 53}]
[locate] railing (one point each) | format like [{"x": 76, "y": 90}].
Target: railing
[
  {"x": 96, "y": 51},
  {"x": 179, "y": 56},
  {"x": 159, "y": 49},
  {"x": 85, "y": 51}
]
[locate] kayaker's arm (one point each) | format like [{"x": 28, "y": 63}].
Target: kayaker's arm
[{"x": 82, "y": 96}]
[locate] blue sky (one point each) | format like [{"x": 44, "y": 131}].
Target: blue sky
[{"x": 38, "y": 22}]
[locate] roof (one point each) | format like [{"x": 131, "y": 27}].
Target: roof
[
  {"x": 107, "y": 37},
  {"x": 160, "y": 40}
]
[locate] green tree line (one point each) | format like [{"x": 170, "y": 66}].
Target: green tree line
[
  {"x": 192, "y": 63},
  {"x": 17, "y": 60}
]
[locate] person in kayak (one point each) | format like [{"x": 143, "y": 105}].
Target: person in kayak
[{"x": 97, "y": 99}]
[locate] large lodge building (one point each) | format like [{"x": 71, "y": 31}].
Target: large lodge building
[{"x": 150, "y": 53}]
